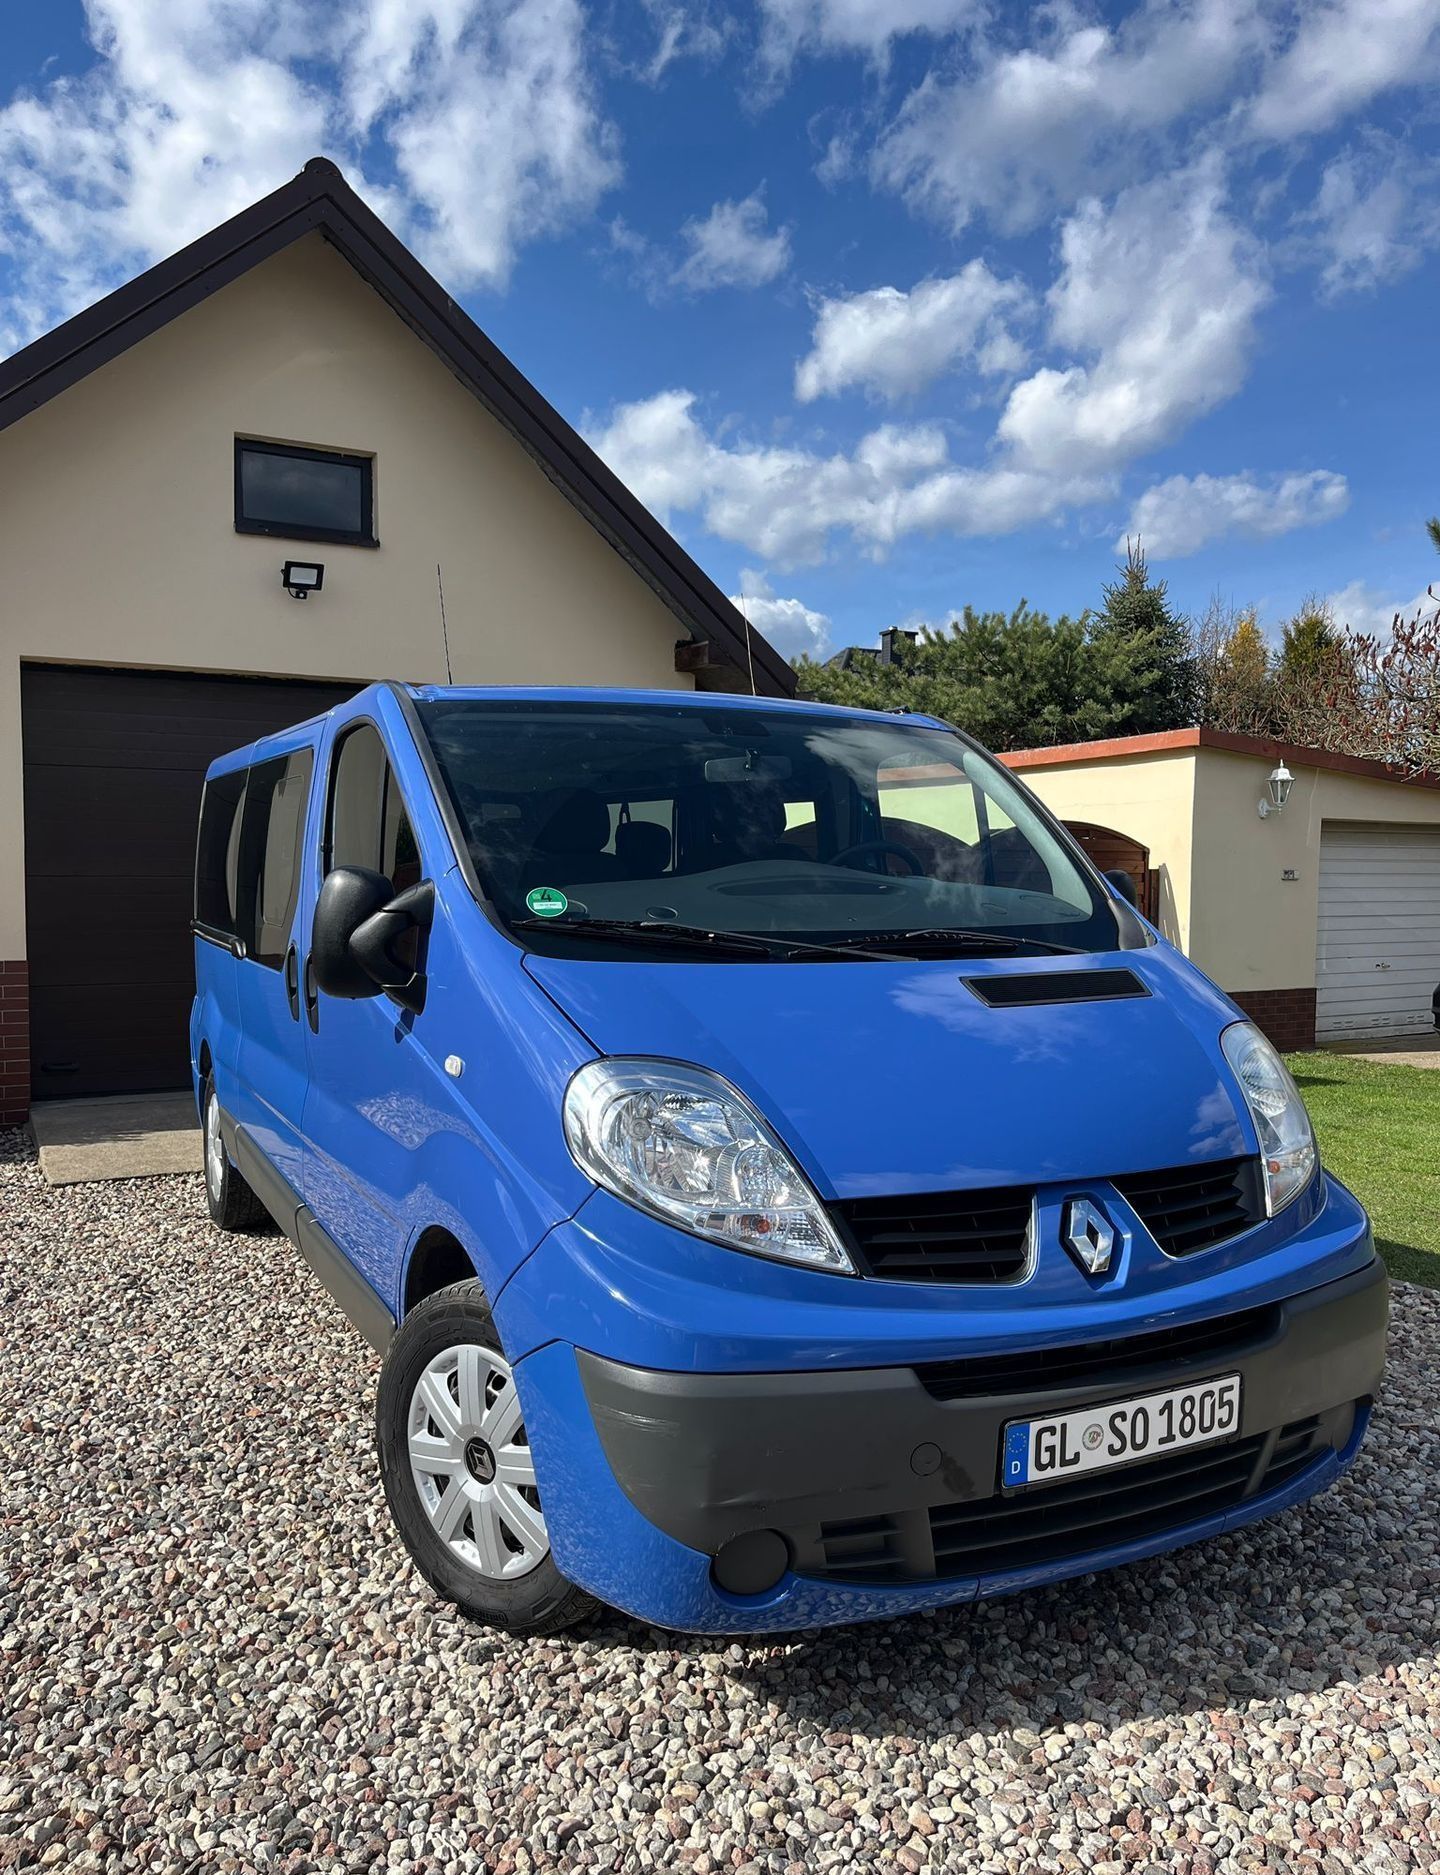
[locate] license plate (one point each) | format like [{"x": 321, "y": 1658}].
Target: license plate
[{"x": 1101, "y": 1438}]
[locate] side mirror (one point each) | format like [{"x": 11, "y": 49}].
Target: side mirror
[
  {"x": 1125, "y": 886},
  {"x": 355, "y": 939},
  {"x": 386, "y": 945}
]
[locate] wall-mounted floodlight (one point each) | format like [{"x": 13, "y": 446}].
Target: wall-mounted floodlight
[
  {"x": 1280, "y": 783},
  {"x": 302, "y": 577}
]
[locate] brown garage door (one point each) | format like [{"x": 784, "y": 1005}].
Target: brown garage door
[{"x": 113, "y": 766}]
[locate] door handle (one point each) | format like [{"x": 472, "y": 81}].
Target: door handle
[
  {"x": 312, "y": 997},
  {"x": 292, "y": 981}
]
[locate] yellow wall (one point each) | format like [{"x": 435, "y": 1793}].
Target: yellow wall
[
  {"x": 1223, "y": 895},
  {"x": 117, "y": 541},
  {"x": 1251, "y": 928},
  {"x": 1149, "y": 797}
]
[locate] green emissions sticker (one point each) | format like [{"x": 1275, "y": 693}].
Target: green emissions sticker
[{"x": 547, "y": 901}]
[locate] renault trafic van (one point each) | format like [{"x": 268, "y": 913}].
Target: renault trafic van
[{"x": 787, "y": 1182}]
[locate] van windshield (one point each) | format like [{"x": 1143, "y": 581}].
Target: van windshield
[{"x": 763, "y": 825}]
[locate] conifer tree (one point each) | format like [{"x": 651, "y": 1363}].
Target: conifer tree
[{"x": 1144, "y": 651}]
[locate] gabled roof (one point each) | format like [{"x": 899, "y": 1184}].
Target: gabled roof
[{"x": 320, "y": 200}]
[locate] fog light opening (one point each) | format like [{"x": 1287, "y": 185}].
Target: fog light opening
[{"x": 750, "y": 1563}]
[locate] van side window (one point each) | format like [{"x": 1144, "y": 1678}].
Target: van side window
[
  {"x": 271, "y": 843},
  {"x": 368, "y": 822},
  {"x": 217, "y": 852}
]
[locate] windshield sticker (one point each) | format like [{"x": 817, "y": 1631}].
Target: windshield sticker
[{"x": 547, "y": 901}]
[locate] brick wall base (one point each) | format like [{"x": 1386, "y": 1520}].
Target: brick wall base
[
  {"x": 14, "y": 1043},
  {"x": 1286, "y": 1016}
]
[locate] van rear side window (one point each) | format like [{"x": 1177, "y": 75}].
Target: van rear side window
[
  {"x": 217, "y": 853},
  {"x": 269, "y": 858}
]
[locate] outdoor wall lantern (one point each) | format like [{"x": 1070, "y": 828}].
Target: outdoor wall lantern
[
  {"x": 302, "y": 577},
  {"x": 1280, "y": 783}
]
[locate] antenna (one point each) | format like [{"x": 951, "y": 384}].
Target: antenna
[
  {"x": 749, "y": 637},
  {"x": 444, "y": 628}
]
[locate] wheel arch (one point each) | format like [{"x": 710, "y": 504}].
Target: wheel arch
[
  {"x": 204, "y": 1066},
  {"x": 437, "y": 1258}
]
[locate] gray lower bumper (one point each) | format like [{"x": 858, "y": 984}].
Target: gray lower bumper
[{"x": 709, "y": 1457}]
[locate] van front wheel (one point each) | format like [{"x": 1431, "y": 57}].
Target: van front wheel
[
  {"x": 231, "y": 1203},
  {"x": 458, "y": 1473}
]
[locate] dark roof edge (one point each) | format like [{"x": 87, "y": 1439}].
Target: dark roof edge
[{"x": 319, "y": 198}]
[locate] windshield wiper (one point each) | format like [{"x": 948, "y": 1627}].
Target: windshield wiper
[
  {"x": 943, "y": 937},
  {"x": 699, "y": 937}
]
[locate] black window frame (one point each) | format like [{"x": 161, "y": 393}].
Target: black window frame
[{"x": 277, "y": 530}]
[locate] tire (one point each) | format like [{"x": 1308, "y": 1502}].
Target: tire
[
  {"x": 230, "y": 1201},
  {"x": 445, "y": 1385}
]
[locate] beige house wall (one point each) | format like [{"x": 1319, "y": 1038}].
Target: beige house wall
[
  {"x": 117, "y": 532},
  {"x": 1251, "y": 927},
  {"x": 1225, "y": 898},
  {"x": 1149, "y": 797}
]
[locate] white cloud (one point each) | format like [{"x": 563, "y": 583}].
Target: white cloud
[
  {"x": 1370, "y": 222},
  {"x": 194, "y": 108},
  {"x": 893, "y": 343},
  {"x": 684, "y": 30},
  {"x": 1365, "y": 608},
  {"x": 734, "y": 245},
  {"x": 786, "y": 503},
  {"x": 1161, "y": 288},
  {"x": 1156, "y": 298},
  {"x": 1344, "y": 54},
  {"x": 1021, "y": 131},
  {"x": 792, "y": 627},
  {"x": 865, "y": 26},
  {"x": 1185, "y": 512},
  {"x": 1024, "y": 132},
  {"x": 494, "y": 127}
]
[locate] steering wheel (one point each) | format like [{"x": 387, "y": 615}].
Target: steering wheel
[{"x": 844, "y": 857}]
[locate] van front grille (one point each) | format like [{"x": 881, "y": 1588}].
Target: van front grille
[
  {"x": 1196, "y": 1206},
  {"x": 942, "y": 1237},
  {"x": 992, "y": 1536},
  {"x": 1117, "y": 1358}
]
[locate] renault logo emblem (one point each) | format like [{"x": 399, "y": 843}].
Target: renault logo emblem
[{"x": 1088, "y": 1235}]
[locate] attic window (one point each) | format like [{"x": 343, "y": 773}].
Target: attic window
[{"x": 304, "y": 494}]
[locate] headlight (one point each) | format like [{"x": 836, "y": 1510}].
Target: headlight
[
  {"x": 686, "y": 1146},
  {"x": 1287, "y": 1144}
]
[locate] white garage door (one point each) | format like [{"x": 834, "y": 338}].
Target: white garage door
[{"x": 1378, "y": 950}]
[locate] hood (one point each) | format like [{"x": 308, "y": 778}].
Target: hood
[{"x": 886, "y": 1078}]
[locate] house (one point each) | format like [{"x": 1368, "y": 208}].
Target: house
[
  {"x": 856, "y": 657},
  {"x": 1321, "y": 919},
  {"x": 290, "y": 398}
]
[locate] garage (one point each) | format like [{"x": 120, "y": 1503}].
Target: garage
[
  {"x": 1378, "y": 948},
  {"x": 113, "y": 762}
]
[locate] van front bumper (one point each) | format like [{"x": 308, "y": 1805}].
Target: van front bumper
[{"x": 745, "y": 1502}]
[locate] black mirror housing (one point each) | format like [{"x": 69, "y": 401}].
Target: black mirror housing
[
  {"x": 376, "y": 945},
  {"x": 1125, "y": 886},
  {"x": 349, "y": 896}
]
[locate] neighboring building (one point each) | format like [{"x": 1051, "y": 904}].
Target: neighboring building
[
  {"x": 292, "y": 387},
  {"x": 1322, "y": 921},
  {"x": 856, "y": 657}
]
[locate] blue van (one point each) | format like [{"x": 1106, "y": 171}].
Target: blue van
[{"x": 788, "y": 1183}]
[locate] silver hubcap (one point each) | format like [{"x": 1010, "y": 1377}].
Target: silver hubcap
[
  {"x": 214, "y": 1148},
  {"x": 471, "y": 1462}
]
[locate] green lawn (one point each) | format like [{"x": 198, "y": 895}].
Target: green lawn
[{"x": 1379, "y": 1130}]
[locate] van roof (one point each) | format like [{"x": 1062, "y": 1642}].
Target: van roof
[{"x": 702, "y": 701}]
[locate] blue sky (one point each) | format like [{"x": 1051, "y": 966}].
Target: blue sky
[{"x": 886, "y": 306}]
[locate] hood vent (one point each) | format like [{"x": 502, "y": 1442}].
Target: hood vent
[{"x": 1055, "y": 986}]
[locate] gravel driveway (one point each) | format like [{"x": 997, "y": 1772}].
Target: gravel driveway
[{"x": 215, "y": 1655}]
